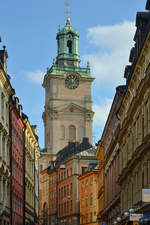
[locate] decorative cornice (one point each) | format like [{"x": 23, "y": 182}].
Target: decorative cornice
[{"x": 137, "y": 156}]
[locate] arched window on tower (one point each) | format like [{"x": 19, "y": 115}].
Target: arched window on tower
[
  {"x": 80, "y": 133},
  {"x": 69, "y": 47},
  {"x": 63, "y": 132},
  {"x": 72, "y": 133}
]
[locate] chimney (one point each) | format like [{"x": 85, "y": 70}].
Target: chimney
[
  {"x": 34, "y": 128},
  {"x": 3, "y": 58},
  {"x": 20, "y": 110}
]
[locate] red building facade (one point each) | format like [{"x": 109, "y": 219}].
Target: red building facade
[{"x": 16, "y": 162}]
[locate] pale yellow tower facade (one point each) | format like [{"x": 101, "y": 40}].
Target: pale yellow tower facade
[{"x": 68, "y": 114}]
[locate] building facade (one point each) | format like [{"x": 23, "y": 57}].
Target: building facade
[
  {"x": 44, "y": 208},
  {"x": 17, "y": 163},
  {"x": 5, "y": 92},
  {"x": 68, "y": 103},
  {"x": 36, "y": 178},
  {"x": 32, "y": 153},
  {"x": 88, "y": 196},
  {"x": 100, "y": 183},
  {"x": 61, "y": 179},
  {"x": 135, "y": 122},
  {"x": 109, "y": 141}
]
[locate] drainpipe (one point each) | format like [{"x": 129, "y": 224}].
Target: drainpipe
[{"x": 4, "y": 196}]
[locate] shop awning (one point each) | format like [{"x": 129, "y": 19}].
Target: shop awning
[{"x": 145, "y": 217}]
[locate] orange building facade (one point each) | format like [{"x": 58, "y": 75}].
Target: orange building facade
[
  {"x": 44, "y": 197},
  {"x": 60, "y": 186},
  {"x": 66, "y": 198},
  {"x": 101, "y": 183},
  {"x": 88, "y": 197}
]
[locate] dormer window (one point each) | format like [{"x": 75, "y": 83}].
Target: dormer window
[{"x": 69, "y": 47}]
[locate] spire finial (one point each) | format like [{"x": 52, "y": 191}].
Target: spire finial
[
  {"x": 68, "y": 12},
  {"x": 88, "y": 64}
]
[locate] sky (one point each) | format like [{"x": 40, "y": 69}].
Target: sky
[{"x": 28, "y": 29}]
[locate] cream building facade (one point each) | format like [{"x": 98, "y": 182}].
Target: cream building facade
[
  {"x": 32, "y": 154},
  {"x": 134, "y": 115},
  {"x": 109, "y": 141},
  {"x": 5, "y": 91}
]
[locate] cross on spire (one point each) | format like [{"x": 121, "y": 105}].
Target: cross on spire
[{"x": 68, "y": 12}]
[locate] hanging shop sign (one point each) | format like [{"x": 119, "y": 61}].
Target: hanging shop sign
[
  {"x": 145, "y": 195},
  {"x": 135, "y": 217}
]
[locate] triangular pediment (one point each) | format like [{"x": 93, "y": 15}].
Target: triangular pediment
[{"x": 71, "y": 107}]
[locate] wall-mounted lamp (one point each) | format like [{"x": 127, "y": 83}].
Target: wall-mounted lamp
[
  {"x": 126, "y": 214},
  {"x": 118, "y": 218}
]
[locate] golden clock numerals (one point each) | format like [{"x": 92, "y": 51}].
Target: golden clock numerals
[{"x": 72, "y": 81}]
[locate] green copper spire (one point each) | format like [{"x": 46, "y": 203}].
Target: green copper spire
[
  {"x": 68, "y": 58},
  {"x": 67, "y": 45}
]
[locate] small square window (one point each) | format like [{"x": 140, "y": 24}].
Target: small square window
[
  {"x": 91, "y": 180},
  {"x": 87, "y": 183}
]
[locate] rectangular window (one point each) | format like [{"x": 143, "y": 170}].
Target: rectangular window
[
  {"x": 62, "y": 176},
  {"x": 86, "y": 200},
  {"x": 91, "y": 180},
  {"x": 64, "y": 191},
  {"x": 82, "y": 219},
  {"x": 84, "y": 169},
  {"x": 71, "y": 205},
  {"x": 71, "y": 171},
  {"x": 67, "y": 189},
  {"x": 67, "y": 172},
  {"x": 82, "y": 185},
  {"x": 86, "y": 218},
  {"x": 91, "y": 199},
  {"x": 62, "y": 208},
  {"x": 59, "y": 194},
  {"x": 52, "y": 179},
  {"x": 82, "y": 203},
  {"x": 71, "y": 188},
  {"x": 142, "y": 179},
  {"x": 87, "y": 183},
  {"x": 2, "y": 104},
  {"x": 91, "y": 217},
  {"x": 67, "y": 206}
]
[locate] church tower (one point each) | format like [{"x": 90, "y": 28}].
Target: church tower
[{"x": 68, "y": 111}]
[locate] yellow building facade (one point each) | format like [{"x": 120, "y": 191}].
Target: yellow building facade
[
  {"x": 5, "y": 92},
  {"x": 32, "y": 154}
]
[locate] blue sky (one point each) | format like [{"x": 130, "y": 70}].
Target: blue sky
[{"x": 28, "y": 29}]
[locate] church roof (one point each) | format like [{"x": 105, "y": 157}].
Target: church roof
[
  {"x": 67, "y": 29},
  {"x": 75, "y": 148}
]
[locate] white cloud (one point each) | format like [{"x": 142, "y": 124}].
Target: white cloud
[
  {"x": 113, "y": 44},
  {"x": 36, "y": 76},
  {"x": 101, "y": 112}
]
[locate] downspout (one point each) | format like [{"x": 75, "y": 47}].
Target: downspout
[{"x": 4, "y": 198}]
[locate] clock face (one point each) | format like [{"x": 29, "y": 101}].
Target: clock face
[{"x": 72, "y": 81}]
